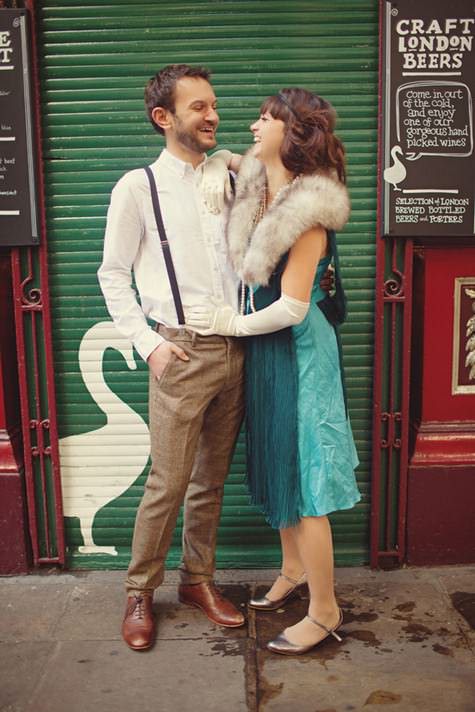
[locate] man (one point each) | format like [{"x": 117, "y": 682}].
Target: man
[{"x": 196, "y": 382}]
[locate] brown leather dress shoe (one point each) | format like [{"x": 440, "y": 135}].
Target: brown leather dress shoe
[
  {"x": 138, "y": 627},
  {"x": 207, "y": 597}
]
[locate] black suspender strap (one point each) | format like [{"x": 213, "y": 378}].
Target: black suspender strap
[
  {"x": 232, "y": 180},
  {"x": 165, "y": 247}
]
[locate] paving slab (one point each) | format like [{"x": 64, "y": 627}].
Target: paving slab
[
  {"x": 19, "y": 621},
  {"x": 293, "y": 684},
  {"x": 403, "y": 645},
  {"x": 83, "y": 609},
  {"x": 21, "y": 666},
  {"x": 459, "y": 584},
  {"x": 82, "y": 676},
  {"x": 455, "y": 578},
  {"x": 408, "y": 643},
  {"x": 94, "y": 612}
]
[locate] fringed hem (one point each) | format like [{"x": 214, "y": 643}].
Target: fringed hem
[
  {"x": 277, "y": 522},
  {"x": 271, "y": 418}
]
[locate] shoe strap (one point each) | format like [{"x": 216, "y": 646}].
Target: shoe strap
[
  {"x": 291, "y": 580},
  {"x": 330, "y": 631}
]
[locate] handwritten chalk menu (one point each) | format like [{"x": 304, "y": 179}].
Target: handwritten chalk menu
[
  {"x": 428, "y": 132},
  {"x": 18, "y": 212}
]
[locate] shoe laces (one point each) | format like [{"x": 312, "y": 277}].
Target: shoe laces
[
  {"x": 139, "y": 608},
  {"x": 216, "y": 592}
]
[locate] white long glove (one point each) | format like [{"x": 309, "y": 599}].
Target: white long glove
[
  {"x": 214, "y": 317},
  {"x": 216, "y": 184}
]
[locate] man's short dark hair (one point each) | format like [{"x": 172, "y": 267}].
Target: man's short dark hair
[{"x": 160, "y": 89}]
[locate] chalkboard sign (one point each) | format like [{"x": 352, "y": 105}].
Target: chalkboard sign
[
  {"x": 18, "y": 204},
  {"x": 428, "y": 134}
]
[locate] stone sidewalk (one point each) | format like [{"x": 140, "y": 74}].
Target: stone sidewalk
[{"x": 409, "y": 646}]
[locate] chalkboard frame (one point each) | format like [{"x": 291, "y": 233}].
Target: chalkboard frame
[
  {"x": 19, "y": 214},
  {"x": 425, "y": 193}
]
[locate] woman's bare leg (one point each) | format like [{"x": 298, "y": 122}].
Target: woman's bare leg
[
  {"x": 315, "y": 546},
  {"x": 292, "y": 565}
]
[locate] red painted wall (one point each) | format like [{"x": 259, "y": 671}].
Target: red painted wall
[
  {"x": 441, "y": 268},
  {"x": 441, "y": 515},
  {"x": 14, "y": 542},
  {"x": 441, "y": 475}
]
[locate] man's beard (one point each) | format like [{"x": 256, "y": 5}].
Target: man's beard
[{"x": 191, "y": 141}]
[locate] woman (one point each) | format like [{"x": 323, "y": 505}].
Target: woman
[{"x": 301, "y": 456}]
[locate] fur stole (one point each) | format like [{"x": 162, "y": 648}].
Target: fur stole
[{"x": 317, "y": 199}]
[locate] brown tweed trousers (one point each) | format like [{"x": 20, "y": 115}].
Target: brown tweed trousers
[{"x": 195, "y": 412}]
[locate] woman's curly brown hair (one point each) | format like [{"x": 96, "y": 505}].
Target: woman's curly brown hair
[{"x": 309, "y": 142}]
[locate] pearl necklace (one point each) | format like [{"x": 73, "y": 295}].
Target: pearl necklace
[
  {"x": 282, "y": 188},
  {"x": 264, "y": 204}
]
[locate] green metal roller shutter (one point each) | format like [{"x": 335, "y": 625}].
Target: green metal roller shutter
[{"x": 95, "y": 59}]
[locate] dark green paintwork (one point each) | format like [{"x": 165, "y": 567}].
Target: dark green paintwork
[{"x": 95, "y": 59}]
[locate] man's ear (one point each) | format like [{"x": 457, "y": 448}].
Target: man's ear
[{"x": 161, "y": 117}]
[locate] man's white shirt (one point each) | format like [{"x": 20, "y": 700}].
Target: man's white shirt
[{"x": 131, "y": 243}]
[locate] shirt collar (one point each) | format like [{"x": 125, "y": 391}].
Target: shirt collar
[{"x": 181, "y": 168}]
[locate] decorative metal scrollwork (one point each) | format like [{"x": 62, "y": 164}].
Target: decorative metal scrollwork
[
  {"x": 385, "y": 418},
  {"x": 394, "y": 286},
  {"x": 391, "y": 440},
  {"x": 32, "y": 298}
]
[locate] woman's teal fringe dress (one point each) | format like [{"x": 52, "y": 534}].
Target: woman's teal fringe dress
[{"x": 300, "y": 448}]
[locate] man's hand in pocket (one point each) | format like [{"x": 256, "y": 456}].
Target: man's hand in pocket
[{"x": 160, "y": 356}]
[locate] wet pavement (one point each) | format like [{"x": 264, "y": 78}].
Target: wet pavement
[{"x": 408, "y": 645}]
